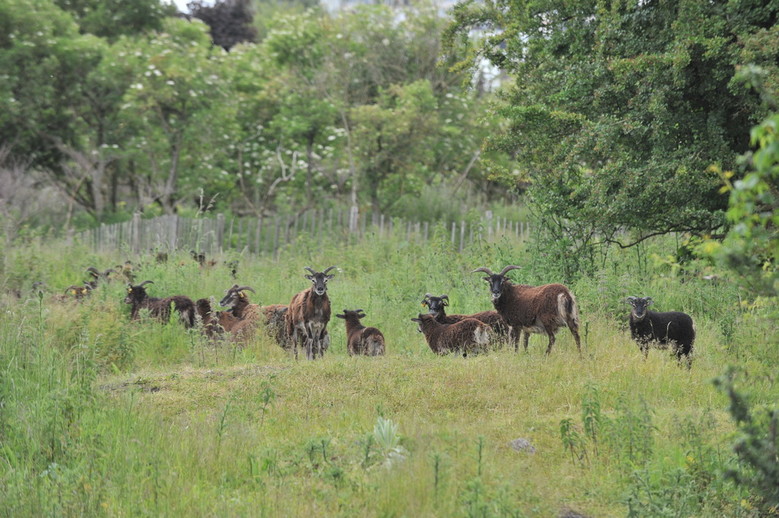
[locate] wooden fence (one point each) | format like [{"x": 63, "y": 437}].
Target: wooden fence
[{"x": 267, "y": 235}]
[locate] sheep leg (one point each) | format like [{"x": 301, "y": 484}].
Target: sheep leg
[
  {"x": 575, "y": 332},
  {"x": 309, "y": 348},
  {"x": 527, "y": 339},
  {"x": 551, "y": 342}
]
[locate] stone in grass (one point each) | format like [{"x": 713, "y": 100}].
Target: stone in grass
[
  {"x": 570, "y": 513},
  {"x": 522, "y": 445}
]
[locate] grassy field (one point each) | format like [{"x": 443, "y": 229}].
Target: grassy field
[{"x": 100, "y": 416}]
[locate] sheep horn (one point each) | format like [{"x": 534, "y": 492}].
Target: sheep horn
[
  {"x": 144, "y": 283},
  {"x": 483, "y": 269},
  {"x": 245, "y": 288},
  {"x": 328, "y": 269},
  {"x": 508, "y": 269},
  {"x": 442, "y": 297},
  {"x": 310, "y": 270},
  {"x": 92, "y": 269},
  {"x": 629, "y": 300}
]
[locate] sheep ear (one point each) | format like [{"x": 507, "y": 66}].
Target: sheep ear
[{"x": 649, "y": 301}]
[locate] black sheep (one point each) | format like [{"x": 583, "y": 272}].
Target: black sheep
[
  {"x": 159, "y": 308},
  {"x": 672, "y": 328}
]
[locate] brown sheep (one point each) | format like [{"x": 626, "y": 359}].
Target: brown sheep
[
  {"x": 533, "y": 309},
  {"x": 468, "y": 335},
  {"x": 273, "y": 316},
  {"x": 308, "y": 315},
  {"x": 360, "y": 339},
  {"x": 436, "y": 307}
]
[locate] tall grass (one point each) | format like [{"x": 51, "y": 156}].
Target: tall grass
[{"x": 102, "y": 416}]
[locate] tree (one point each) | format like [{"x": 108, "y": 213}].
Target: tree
[
  {"x": 751, "y": 245},
  {"x": 113, "y": 18},
  {"x": 48, "y": 68},
  {"x": 618, "y": 109},
  {"x": 229, "y": 21},
  {"x": 175, "y": 125}
]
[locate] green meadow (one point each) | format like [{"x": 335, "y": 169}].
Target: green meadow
[{"x": 100, "y": 416}]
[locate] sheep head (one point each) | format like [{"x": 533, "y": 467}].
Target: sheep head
[
  {"x": 234, "y": 294},
  {"x": 639, "y": 307},
  {"x": 435, "y": 304},
  {"x": 319, "y": 279},
  {"x": 421, "y": 319},
  {"x": 497, "y": 281},
  {"x": 136, "y": 294},
  {"x": 357, "y": 313}
]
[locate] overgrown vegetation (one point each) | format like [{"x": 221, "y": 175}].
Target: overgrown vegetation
[{"x": 102, "y": 416}]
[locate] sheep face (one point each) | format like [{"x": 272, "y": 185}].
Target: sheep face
[
  {"x": 136, "y": 294},
  {"x": 233, "y": 295},
  {"x": 639, "y": 307},
  {"x": 421, "y": 318},
  {"x": 497, "y": 281},
  {"x": 435, "y": 305},
  {"x": 319, "y": 280},
  {"x": 358, "y": 314}
]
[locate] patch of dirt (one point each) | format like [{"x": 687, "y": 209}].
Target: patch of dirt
[{"x": 159, "y": 382}]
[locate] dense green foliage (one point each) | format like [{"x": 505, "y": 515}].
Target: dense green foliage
[
  {"x": 152, "y": 116},
  {"x": 618, "y": 109},
  {"x": 102, "y": 416},
  {"x": 751, "y": 247}
]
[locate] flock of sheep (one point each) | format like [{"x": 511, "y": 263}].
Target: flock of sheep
[{"x": 302, "y": 324}]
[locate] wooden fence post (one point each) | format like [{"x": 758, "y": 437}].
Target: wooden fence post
[{"x": 136, "y": 233}]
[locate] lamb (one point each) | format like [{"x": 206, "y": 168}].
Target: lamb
[
  {"x": 159, "y": 308},
  {"x": 272, "y": 315},
  {"x": 308, "y": 315},
  {"x": 360, "y": 339},
  {"x": 672, "y": 328},
  {"x": 492, "y": 318},
  {"x": 533, "y": 309},
  {"x": 468, "y": 335}
]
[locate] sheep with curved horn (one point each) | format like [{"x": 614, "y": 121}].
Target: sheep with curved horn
[
  {"x": 436, "y": 307},
  {"x": 308, "y": 315},
  {"x": 273, "y": 315},
  {"x": 533, "y": 309},
  {"x": 159, "y": 308}
]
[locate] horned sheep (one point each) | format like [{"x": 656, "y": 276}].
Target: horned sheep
[
  {"x": 272, "y": 315},
  {"x": 308, "y": 315},
  {"x": 533, "y": 309},
  {"x": 437, "y": 307},
  {"x": 159, "y": 308}
]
